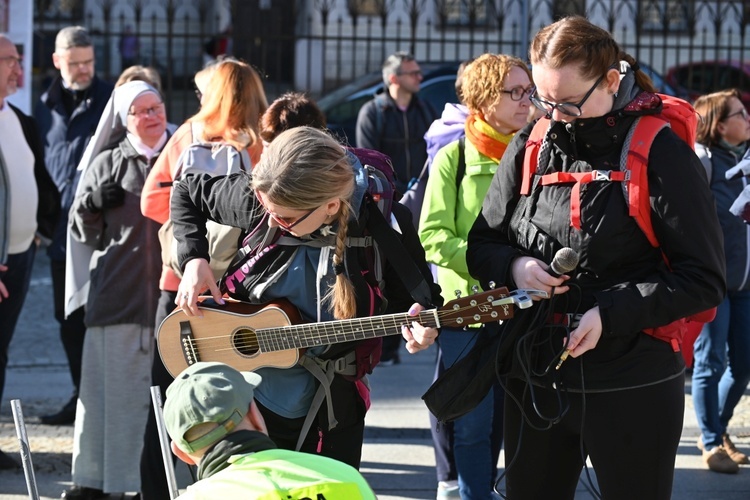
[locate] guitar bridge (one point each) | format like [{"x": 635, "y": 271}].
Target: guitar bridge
[{"x": 188, "y": 343}]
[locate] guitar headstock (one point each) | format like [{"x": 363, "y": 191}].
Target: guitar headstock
[{"x": 477, "y": 308}]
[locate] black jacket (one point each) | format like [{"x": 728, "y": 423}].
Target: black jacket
[
  {"x": 382, "y": 126},
  {"x": 736, "y": 232},
  {"x": 228, "y": 200},
  {"x": 64, "y": 138},
  {"x": 619, "y": 270}
]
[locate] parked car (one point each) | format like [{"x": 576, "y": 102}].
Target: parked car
[
  {"x": 341, "y": 106},
  {"x": 699, "y": 78}
]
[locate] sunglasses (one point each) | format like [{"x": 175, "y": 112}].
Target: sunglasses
[{"x": 284, "y": 222}]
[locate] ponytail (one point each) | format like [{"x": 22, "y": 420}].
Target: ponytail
[{"x": 643, "y": 81}]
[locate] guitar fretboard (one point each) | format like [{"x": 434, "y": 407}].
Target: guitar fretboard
[{"x": 333, "y": 332}]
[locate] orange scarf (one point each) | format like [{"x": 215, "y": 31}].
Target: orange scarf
[{"x": 486, "y": 139}]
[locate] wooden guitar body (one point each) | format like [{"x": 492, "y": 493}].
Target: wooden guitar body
[{"x": 226, "y": 334}]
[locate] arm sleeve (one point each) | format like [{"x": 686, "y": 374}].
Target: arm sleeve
[
  {"x": 158, "y": 186},
  {"x": 688, "y": 230},
  {"x": 489, "y": 252},
  {"x": 86, "y": 225},
  {"x": 437, "y": 222},
  {"x": 366, "y": 130},
  {"x": 228, "y": 200}
]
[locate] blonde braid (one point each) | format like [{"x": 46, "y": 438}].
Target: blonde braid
[{"x": 342, "y": 291}]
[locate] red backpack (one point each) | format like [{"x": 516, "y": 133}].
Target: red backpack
[{"x": 677, "y": 114}]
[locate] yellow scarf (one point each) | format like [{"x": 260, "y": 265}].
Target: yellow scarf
[{"x": 486, "y": 139}]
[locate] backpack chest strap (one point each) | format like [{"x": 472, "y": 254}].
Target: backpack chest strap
[{"x": 578, "y": 179}]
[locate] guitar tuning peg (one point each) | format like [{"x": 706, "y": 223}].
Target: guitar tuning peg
[
  {"x": 492, "y": 285},
  {"x": 458, "y": 293},
  {"x": 475, "y": 289}
]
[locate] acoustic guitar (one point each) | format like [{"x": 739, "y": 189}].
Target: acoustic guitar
[{"x": 248, "y": 337}]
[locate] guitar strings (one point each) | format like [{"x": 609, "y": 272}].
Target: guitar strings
[{"x": 250, "y": 340}]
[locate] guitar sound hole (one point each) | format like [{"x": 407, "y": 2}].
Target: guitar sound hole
[{"x": 245, "y": 341}]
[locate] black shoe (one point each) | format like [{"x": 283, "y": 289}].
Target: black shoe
[
  {"x": 7, "y": 463},
  {"x": 82, "y": 493},
  {"x": 66, "y": 416}
]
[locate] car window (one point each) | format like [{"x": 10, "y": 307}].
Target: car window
[
  {"x": 697, "y": 77},
  {"x": 347, "y": 110},
  {"x": 439, "y": 91}
]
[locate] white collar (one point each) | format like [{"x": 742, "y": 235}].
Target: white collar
[{"x": 145, "y": 150}]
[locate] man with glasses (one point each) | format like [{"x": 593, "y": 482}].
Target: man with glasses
[
  {"x": 29, "y": 205},
  {"x": 68, "y": 113},
  {"x": 394, "y": 123}
]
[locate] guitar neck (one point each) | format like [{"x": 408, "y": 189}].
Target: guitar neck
[{"x": 336, "y": 332}]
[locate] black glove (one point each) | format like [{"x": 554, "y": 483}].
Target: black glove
[{"x": 109, "y": 195}]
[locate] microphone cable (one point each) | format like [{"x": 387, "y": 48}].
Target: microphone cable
[{"x": 524, "y": 353}]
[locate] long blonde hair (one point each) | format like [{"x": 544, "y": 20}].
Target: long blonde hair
[
  {"x": 232, "y": 105},
  {"x": 303, "y": 168}
]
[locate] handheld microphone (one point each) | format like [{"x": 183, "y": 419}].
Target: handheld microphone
[{"x": 565, "y": 261}]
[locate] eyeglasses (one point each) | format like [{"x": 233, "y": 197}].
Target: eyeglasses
[
  {"x": 416, "y": 72},
  {"x": 566, "y": 108},
  {"x": 12, "y": 61},
  {"x": 743, "y": 112},
  {"x": 156, "y": 109},
  {"x": 518, "y": 93},
  {"x": 79, "y": 64},
  {"x": 284, "y": 222}
]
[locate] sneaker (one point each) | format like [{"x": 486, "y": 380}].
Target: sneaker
[
  {"x": 448, "y": 489},
  {"x": 718, "y": 460},
  {"x": 733, "y": 452}
]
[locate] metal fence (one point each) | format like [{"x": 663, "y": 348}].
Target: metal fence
[{"x": 316, "y": 45}]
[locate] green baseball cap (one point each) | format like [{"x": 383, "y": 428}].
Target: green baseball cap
[{"x": 207, "y": 392}]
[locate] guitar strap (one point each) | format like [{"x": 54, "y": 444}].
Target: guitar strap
[{"x": 394, "y": 252}]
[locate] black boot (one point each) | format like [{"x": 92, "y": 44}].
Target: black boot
[
  {"x": 82, "y": 493},
  {"x": 66, "y": 416}
]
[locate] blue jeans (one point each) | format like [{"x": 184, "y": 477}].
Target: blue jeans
[
  {"x": 721, "y": 366},
  {"x": 16, "y": 279},
  {"x": 472, "y": 447}
]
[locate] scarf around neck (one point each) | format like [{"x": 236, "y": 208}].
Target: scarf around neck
[{"x": 486, "y": 139}]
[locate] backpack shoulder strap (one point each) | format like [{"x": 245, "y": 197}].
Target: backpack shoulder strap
[
  {"x": 531, "y": 156},
  {"x": 461, "y": 167},
  {"x": 636, "y": 150},
  {"x": 380, "y": 105},
  {"x": 394, "y": 252}
]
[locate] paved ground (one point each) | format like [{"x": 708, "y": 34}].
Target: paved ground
[{"x": 397, "y": 457}]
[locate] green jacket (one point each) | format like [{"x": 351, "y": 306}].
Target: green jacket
[
  {"x": 446, "y": 217},
  {"x": 275, "y": 474}
]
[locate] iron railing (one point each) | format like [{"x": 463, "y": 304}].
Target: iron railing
[{"x": 316, "y": 45}]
